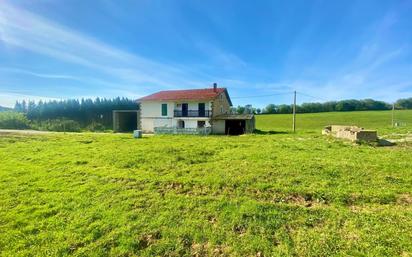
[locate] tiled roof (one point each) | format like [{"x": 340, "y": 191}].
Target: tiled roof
[{"x": 189, "y": 94}]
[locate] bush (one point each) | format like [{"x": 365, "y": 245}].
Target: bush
[
  {"x": 60, "y": 125},
  {"x": 95, "y": 126},
  {"x": 13, "y": 120}
]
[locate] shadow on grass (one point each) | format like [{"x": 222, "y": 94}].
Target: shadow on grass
[{"x": 270, "y": 132}]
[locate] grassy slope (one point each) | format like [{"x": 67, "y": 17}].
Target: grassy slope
[
  {"x": 380, "y": 120},
  {"x": 284, "y": 194}
]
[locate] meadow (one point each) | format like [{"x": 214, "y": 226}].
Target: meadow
[
  {"x": 379, "y": 120},
  {"x": 269, "y": 194}
]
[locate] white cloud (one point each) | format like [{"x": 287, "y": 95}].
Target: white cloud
[
  {"x": 22, "y": 29},
  {"x": 8, "y": 99},
  {"x": 40, "y": 75}
]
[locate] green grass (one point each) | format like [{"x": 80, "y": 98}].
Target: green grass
[
  {"x": 380, "y": 120},
  {"x": 256, "y": 195}
]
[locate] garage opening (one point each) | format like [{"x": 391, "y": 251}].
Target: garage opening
[
  {"x": 235, "y": 127},
  {"x": 125, "y": 121}
]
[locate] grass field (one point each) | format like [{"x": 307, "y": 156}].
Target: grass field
[
  {"x": 380, "y": 120},
  {"x": 255, "y": 195}
]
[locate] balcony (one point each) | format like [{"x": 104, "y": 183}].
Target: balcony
[{"x": 192, "y": 113}]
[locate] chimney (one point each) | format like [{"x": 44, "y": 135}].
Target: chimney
[{"x": 215, "y": 87}]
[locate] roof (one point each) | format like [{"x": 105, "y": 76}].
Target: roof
[
  {"x": 234, "y": 117},
  {"x": 188, "y": 94}
]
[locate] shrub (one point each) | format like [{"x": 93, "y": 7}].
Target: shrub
[
  {"x": 13, "y": 120},
  {"x": 95, "y": 126},
  {"x": 60, "y": 125}
]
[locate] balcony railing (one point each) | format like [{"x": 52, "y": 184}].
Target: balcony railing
[{"x": 192, "y": 113}]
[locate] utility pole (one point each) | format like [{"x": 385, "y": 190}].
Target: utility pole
[
  {"x": 294, "y": 111},
  {"x": 393, "y": 115}
]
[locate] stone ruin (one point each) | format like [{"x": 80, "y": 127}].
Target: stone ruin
[{"x": 352, "y": 133}]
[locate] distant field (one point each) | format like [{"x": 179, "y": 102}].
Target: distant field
[
  {"x": 380, "y": 120},
  {"x": 254, "y": 195}
]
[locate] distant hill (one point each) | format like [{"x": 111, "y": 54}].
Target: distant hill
[{"x": 3, "y": 109}]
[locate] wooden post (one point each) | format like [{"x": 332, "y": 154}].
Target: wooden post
[{"x": 294, "y": 111}]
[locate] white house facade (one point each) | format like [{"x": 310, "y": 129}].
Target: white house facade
[
  {"x": 180, "y": 114},
  {"x": 191, "y": 109}
]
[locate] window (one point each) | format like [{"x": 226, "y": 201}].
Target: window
[
  {"x": 221, "y": 96},
  {"x": 201, "y": 109},
  {"x": 221, "y": 109},
  {"x": 181, "y": 124},
  {"x": 201, "y": 123},
  {"x": 164, "y": 109}
]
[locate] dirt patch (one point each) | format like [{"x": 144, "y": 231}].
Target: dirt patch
[
  {"x": 23, "y": 132},
  {"x": 207, "y": 249},
  {"x": 302, "y": 200},
  {"x": 146, "y": 240},
  {"x": 404, "y": 199},
  {"x": 240, "y": 229}
]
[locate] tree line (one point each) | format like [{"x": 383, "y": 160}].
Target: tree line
[
  {"x": 85, "y": 111},
  {"x": 331, "y": 106},
  {"x": 96, "y": 114}
]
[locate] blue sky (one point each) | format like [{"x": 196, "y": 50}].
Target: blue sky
[{"x": 330, "y": 50}]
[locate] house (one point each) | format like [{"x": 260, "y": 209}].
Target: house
[{"x": 188, "y": 110}]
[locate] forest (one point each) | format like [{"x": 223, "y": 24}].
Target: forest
[{"x": 69, "y": 115}]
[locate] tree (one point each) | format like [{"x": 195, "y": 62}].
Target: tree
[
  {"x": 283, "y": 108},
  {"x": 24, "y": 106},
  {"x": 270, "y": 108},
  {"x": 405, "y": 103},
  {"x": 18, "y": 107},
  {"x": 240, "y": 109}
]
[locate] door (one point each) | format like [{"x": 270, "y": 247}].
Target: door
[
  {"x": 184, "y": 110},
  {"x": 235, "y": 127},
  {"x": 201, "y": 109}
]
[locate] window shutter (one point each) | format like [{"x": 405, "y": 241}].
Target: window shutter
[{"x": 164, "y": 109}]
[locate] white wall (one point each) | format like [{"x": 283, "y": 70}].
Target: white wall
[
  {"x": 147, "y": 125},
  {"x": 190, "y": 123},
  {"x": 151, "y": 115},
  {"x": 153, "y": 109},
  {"x": 219, "y": 127}
]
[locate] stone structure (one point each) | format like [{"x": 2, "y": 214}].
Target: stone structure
[{"x": 352, "y": 133}]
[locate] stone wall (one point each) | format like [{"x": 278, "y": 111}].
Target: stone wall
[{"x": 352, "y": 133}]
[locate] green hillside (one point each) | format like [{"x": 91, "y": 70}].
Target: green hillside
[{"x": 380, "y": 120}]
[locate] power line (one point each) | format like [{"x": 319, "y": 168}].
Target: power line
[
  {"x": 315, "y": 97},
  {"x": 237, "y": 97},
  {"x": 276, "y": 94}
]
